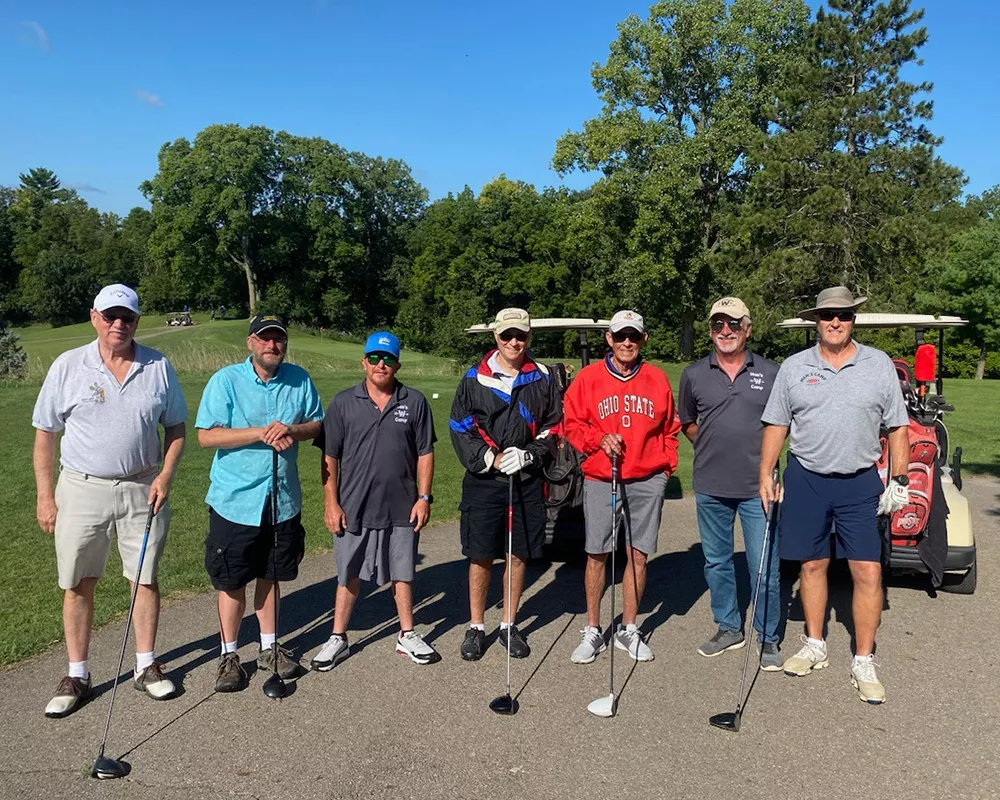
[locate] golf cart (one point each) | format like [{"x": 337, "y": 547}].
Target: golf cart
[
  {"x": 179, "y": 319},
  {"x": 933, "y": 534},
  {"x": 563, "y": 479}
]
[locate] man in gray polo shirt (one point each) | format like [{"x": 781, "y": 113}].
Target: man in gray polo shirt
[
  {"x": 107, "y": 398},
  {"x": 378, "y": 462},
  {"x": 833, "y": 398},
  {"x": 720, "y": 402}
]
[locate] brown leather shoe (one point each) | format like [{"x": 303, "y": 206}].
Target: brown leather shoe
[{"x": 231, "y": 677}]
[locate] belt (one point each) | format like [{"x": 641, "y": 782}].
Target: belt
[{"x": 137, "y": 476}]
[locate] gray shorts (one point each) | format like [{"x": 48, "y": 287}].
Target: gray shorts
[
  {"x": 640, "y": 506},
  {"x": 91, "y": 511},
  {"x": 377, "y": 554}
]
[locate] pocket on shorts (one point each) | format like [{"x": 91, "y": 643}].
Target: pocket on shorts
[{"x": 217, "y": 560}]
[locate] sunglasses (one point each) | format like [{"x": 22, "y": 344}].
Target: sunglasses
[
  {"x": 830, "y": 314},
  {"x": 628, "y": 333},
  {"x": 125, "y": 316},
  {"x": 267, "y": 336},
  {"x": 506, "y": 336},
  {"x": 390, "y": 361},
  {"x": 735, "y": 325}
]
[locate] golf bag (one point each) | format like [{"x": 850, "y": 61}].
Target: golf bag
[{"x": 563, "y": 478}]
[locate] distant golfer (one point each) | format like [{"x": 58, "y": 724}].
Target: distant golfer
[
  {"x": 720, "y": 400},
  {"x": 378, "y": 463},
  {"x": 501, "y": 423},
  {"x": 247, "y": 410},
  {"x": 834, "y": 397},
  {"x": 108, "y": 398},
  {"x": 625, "y": 406}
]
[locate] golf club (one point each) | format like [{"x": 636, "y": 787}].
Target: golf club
[
  {"x": 274, "y": 686},
  {"x": 606, "y": 706},
  {"x": 105, "y": 767},
  {"x": 505, "y": 704},
  {"x": 730, "y": 721}
]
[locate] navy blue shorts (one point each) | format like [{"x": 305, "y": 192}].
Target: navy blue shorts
[{"x": 813, "y": 503}]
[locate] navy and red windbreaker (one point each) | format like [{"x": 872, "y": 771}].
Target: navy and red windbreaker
[{"x": 486, "y": 420}]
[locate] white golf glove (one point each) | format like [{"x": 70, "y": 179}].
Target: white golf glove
[
  {"x": 514, "y": 459},
  {"x": 895, "y": 497}
]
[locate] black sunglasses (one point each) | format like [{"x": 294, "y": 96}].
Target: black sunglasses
[
  {"x": 125, "y": 316},
  {"x": 830, "y": 314},
  {"x": 735, "y": 325},
  {"x": 626, "y": 333},
  {"x": 374, "y": 358},
  {"x": 513, "y": 333}
]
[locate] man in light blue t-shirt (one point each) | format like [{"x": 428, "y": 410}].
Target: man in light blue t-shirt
[{"x": 247, "y": 411}]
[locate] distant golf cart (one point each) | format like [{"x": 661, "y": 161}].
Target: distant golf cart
[
  {"x": 934, "y": 533},
  {"x": 564, "y": 480},
  {"x": 179, "y": 319}
]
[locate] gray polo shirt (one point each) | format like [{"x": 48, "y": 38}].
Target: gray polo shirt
[
  {"x": 835, "y": 415},
  {"x": 110, "y": 428},
  {"x": 377, "y": 451},
  {"x": 727, "y": 444}
]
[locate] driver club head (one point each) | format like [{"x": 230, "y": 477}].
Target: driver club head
[
  {"x": 603, "y": 706},
  {"x": 274, "y": 686},
  {"x": 505, "y": 704},
  {"x": 108, "y": 769},
  {"x": 727, "y": 721}
]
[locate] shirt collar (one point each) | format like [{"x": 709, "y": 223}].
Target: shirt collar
[
  {"x": 861, "y": 353},
  {"x": 713, "y": 360},
  {"x": 399, "y": 393},
  {"x": 92, "y": 355},
  {"x": 252, "y": 373}
]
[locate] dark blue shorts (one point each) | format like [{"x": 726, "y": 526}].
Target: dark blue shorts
[{"x": 813, "y": 503}]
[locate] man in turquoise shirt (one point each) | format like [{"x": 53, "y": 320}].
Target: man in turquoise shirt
[{"x": 247, "y": 410}]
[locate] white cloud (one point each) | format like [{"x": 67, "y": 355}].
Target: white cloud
[
  {"x": 35, "y": 35},
  {"x": 85, "y": 187},
  {"x": 148, "y": 99}
]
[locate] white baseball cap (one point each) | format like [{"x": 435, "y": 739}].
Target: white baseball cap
[
  {"x": 626, "y": 319},
  {"x": 516, "y": 318},
  {"x": 117, "y": 295},
  {"x": 732, "y": 307}
]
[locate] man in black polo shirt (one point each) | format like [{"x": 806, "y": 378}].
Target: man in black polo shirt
[
  {"x": 721, "y": 400},
  {"x": 378, "y": 462}
]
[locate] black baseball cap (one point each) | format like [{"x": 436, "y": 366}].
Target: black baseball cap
[{"x": 266, "y": 322}]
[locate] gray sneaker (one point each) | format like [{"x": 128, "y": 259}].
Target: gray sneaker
[
  {"x": 591, "y": 643},
  {"x": 770, "y": 657},
  {"x": 332, "y": 653},
  {"x": 721, "y": 642}
]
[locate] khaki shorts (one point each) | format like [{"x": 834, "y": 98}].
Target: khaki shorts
[{"x": 91, "y": 511}]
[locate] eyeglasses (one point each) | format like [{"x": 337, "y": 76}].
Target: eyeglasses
[
  {"x": 735, "y": 325},
  {"x": 626, "y": 333},
  {"x": 830, "y": 314},
  {"x": 126, "y": 317},
  {"x": 513, "y": 333},
  {"x": 374, "y": 358}
]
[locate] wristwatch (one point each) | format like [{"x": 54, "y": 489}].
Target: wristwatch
[
  {"x": 902, "y": 480},
  {"x": 428, "y": 497}
]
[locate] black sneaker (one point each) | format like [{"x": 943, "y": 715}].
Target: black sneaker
[
  {"x": 474, "y": 644},
  {"x": 231, "y": 676},
  {"x": 518, "y": 646}
]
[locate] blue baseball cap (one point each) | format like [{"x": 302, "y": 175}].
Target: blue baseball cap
[{"x": 382, "y": 342}]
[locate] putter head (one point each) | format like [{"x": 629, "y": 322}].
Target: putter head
[
  {"x": 274, "y": 686},
  {"x": 505, "y": 704},
  {"x": 603, "y": 706},
  {"x": 727, "y": 721},
  {"x": 107, "y": 769}
]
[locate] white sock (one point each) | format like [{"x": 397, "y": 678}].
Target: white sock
[
  {"x": 593, "y": 629},
  {"x": 228, "y": 647},
  {"x": 504, "y": 626},
  {"x": 859, "y": 659},
  {"x": 821, "y": 643},
  {"x": 479, "y": 626},
  {"x": 79, "y": 669},
  {"x": 143, "y": 660},
  {"x": 267, "y": 640}
]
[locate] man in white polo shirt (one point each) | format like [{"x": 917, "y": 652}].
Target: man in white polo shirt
[{"x": 108, "y": 399}]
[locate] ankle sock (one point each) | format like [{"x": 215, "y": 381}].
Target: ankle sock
[
  {"x": 143, "y": 660},
  {"x": 267, "y": 640},
  {"x": 79, "y": 669},
  {"x": 228, "y": 647},
  {"x": 479, "y": 626},
  {"x": 821, "y": 643}
]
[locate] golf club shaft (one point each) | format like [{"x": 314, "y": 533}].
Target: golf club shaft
[
  {"x": 614, "y": 546},
  {"x": 274, "y": 555},
  {"x": 510, "y": 568},
  {"x": 128, "y": 623}
]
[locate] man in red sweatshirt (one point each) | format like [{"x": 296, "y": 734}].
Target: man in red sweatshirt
[{"x": 624, "y": 406}]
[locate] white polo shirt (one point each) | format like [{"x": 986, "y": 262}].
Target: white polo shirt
[{"x": 110, "y": 429}]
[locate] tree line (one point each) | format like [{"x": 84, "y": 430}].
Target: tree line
[{"x": 747, "y": 147}]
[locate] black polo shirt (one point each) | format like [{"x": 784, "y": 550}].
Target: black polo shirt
[
  {"x": 377, "y": 451},
  {"x": 727, "y": 445}
]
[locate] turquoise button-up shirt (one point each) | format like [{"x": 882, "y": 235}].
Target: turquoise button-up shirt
[{"x": 235, "y": 397}]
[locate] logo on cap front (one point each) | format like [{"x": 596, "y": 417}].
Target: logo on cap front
[
  {"x": 512, "y": 315},
  {"x": 383, "y": 340}
]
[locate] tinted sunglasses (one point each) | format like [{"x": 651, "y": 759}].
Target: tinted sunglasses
[
  {"x": 513, "y": 333},
  {"x": 735, "y": 325},
  {"x": 390, "y": 361},
  {"x": 125, "y": 316},
  {"x": 830, "y": 314},
  {"x": 627, "y": 333}
]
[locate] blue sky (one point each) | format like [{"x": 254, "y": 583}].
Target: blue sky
[{"x": 460, "y": 91}]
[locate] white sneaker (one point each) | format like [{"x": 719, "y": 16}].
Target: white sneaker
[
  {"x": 864, "y": 679},
  {"x": 412, "y": 644},
  {"x": 332, "y": 653},
  {"x": 630, "y": 640},
  {"x": 591, "y": 643},
  {"x": 810, "y": 657}
]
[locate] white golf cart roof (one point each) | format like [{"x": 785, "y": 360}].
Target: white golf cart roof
[
  {"x": 552, "y": 324},
  {"x": 922, "y": 321}
]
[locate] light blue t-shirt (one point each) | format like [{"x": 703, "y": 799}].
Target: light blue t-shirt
[{"x": 235, "y": 397}]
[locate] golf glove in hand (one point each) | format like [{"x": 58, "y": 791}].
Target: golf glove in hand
[
  {"x": 893, "y": 498},
  {"x": 515, "y": 459}
]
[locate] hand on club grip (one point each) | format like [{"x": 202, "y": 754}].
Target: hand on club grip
[{"x": 513, "y": 460}]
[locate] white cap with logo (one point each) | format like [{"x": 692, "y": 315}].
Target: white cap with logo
[
  {"x": 516, "y": 318},
  {"x": 117, "y": 295},
  {"x": 626, "y": 319},
  {"x": 732, "y": 307}
]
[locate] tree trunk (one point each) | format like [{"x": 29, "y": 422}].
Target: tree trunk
[
  {"x": 687, "y": 336},
  {"x": 251, "y": 287},
  {"x": 981, "y": 364}
]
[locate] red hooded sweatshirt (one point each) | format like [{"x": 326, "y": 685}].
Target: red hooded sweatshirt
[{"x": 639, "y": 407}]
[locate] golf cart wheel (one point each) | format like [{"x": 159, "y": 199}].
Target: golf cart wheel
[{"x": 966, "y": 584}]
